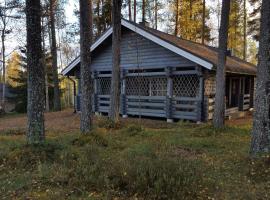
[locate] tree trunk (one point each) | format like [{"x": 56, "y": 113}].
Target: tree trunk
[
  {"x": 116, "y": 43},
  {"x": 219, "y": 112},
  {"x": 176, "y": 18},
  {"x": 85, "y": 44},
  {"x": 245, "y": 31},
  {"x": 203, "y": 23},
  {"x": 156, "y": 14},
  {"x": 143, "y": 11},
  {"x": 135, "y": 11},
  {"x": 56, "y": 90},
  {"x": 36, "y": 86},
  {"x": 4, "y": 68},
  {"x": 129, "y": 10},
  {"x": 47, "y": 101},
  {"x": 260, "y": 133}
]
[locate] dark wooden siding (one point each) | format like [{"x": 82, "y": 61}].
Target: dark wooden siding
[{"x": 150, "y": 55}]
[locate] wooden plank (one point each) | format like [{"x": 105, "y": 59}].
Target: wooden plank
[
  {"x": 184, "y": 113},
  {"x": 146, "y": 110},
  {"x": 152, "y": 104},
  {"x": 146, "y": 114},
  {"x": 185, "y": 106},
  {"x": 146, "y": 98},
  {"x": 185, "y": 99},
  {"x": 104, "y": 96},
  {"x": 103, "y": 102},
  {"x": 188, "y": 72},
  {"x": 141, "y": 74}
]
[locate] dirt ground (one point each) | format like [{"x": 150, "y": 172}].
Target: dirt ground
[{"x": 67, "y": 121}]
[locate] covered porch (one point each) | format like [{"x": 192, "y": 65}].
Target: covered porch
[{"x": 239, "y": 95}]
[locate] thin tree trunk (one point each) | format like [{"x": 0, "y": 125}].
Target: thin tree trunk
[
  {"x": 98, "y": 19},
  {"x": 129, "y": 10},
  {"x": 260, "y": 133},
  {"x": 56, "y": 90},
  {"x": 4, "y": 67},
  {"x": 203, "y": 23},
  {"x": 47, "y": 93},
  {"x": 135, "y": 11},
  {"x": 245, "y": 31},
  {"x": 219, "y": 112},
  {"x": 36, "y": 86},
  {"x": 176, "y": 18},
  {"x": 85, "y": 44},
  {"x": 156, "y": 14},
  {"x": 143, "y": 11},
  {"x": 47, "y": 100},
  {"x": 116, "y": 43}
]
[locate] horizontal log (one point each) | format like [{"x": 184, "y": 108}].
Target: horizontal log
[
  {"x": 147, "y": 114},
  {"x": 146, "y": 104},
  {"x": 186, "y": 106},
  {"x": 146, "y": 98},
  {"x": 146, "y": 110}
]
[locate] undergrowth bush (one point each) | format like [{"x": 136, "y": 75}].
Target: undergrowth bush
[
  {"x": 135, "y": 172},
  {"x": 133, "y": 130},
  {"x": 29, "y": 156},
  {"x": 91, "y": 138},
  {"x": 107, "y": 123}
]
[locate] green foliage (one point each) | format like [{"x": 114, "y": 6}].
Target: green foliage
[
  {"x": 133, "y": 130},
  {"x": 184, "y": 161},
  {"x": 107, "y": 123}
]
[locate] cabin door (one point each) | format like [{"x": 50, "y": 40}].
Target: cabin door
[{"x": 234, "y": 92}]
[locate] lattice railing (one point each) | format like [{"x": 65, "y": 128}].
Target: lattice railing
[
  {"x": 104, "y": 86},
  {"x": 186, "y": 86},
  {"x": 146, "y": 86}
]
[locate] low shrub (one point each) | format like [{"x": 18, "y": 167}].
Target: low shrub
[
  {"x": 133, "y": 130},
  {"x": 29, "y": 156},
  {"x": 108, "y": 123},
  {"x": 91, "y": 138}
]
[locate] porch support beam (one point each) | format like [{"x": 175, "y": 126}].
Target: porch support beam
[
  {"x": 201, "y": 95},
  {"x": 95, "y": 93},
  {"x": 169, "y": 72},
  {"x": 123, "y": 96}
]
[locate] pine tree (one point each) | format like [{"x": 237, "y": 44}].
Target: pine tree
[
  {"x": 85, "y": 44},
  {"x": 116, "y": 41},
  {"x": 36, "y": 82},
  {"x": 219, "y": 111},
  {"x": 17, "y": 81},
  {"x": 260, "y": 132}
]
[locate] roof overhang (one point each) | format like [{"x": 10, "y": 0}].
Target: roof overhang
[{"x": 149, "y": 36}]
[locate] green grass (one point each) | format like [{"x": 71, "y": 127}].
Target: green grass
[{"x": 183, "y": 161}]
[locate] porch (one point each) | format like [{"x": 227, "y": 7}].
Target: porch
[
  {"x": 170, "y": 93},
  {"x": 239, "y": 97}
]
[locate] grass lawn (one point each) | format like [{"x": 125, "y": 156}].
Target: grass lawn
[{"x": 154, "y": 160}]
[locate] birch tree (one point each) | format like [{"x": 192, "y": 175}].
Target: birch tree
[{"x": 219, "y": 111}]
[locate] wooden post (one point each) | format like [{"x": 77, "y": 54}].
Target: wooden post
[
  {"x": 169, "y": 95},
  {"x": 95, "y": 94},
  {"x": 123, "y": 101},
  {"x": 200, "y": 96}
]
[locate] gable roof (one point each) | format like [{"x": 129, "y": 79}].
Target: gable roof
[{"x": 203, "y": 55}]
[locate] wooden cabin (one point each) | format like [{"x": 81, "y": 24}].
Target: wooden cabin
[{"x": 164, "y": 76}]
